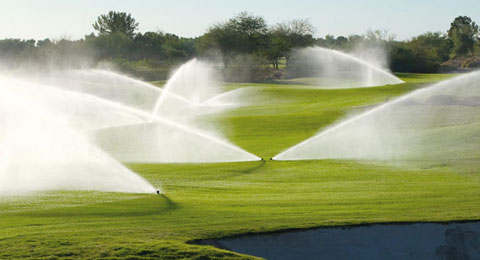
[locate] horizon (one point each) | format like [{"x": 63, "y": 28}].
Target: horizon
[{"x": 39, "y": 21}]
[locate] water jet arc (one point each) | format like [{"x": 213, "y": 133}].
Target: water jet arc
[
  {"x": 439, "y": 123},
  {"x": 344, "y": 70}
]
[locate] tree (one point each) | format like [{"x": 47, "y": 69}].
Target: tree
[
  {"x": 243, "y": 34},
  {"x": 424, "y": 53},
  {"x": 149, "y": 45},
  {"x": 222, "y": 37},
  {"x": 464, "y": 34},
  {"x": 12, "y": 49},
  {"x": 116, "y": 22},
  {"x": 435, "y": 45},
  {"x": 114, "y": 45},
  {"x": 248, "y": 24},
  {"x": 286, "y": 36}
]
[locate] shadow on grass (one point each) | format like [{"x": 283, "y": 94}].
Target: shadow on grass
[
  {"x": 170, "y": 203},
  {"x": 285, "y": 82},
  {"x": 246, "y": 171},
  {"x": 145, "y": 206}
]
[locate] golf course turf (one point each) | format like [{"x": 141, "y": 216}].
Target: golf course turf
[{"x": 225, "y": 199}]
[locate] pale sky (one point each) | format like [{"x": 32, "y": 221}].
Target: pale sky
[{"x": 73, "y": 19}]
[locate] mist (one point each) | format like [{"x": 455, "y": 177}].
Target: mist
[{"x": 436, "y": 125}]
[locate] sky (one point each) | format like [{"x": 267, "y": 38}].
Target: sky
[{"x": 72, "y": 19}]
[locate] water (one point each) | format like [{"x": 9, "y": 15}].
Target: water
[
  {"x": 164, "y": 141},
  {"x": 244, "y": 96},
  {"x": 195, "y": 82},
  {"x": 175, "y": 134},
  {"x": 102, "y": 84},
  {"x": 336, "y": 69},
  {"x": 68, "y": 130},
  {"x": 380, "y": 241},
  {"x": 438, "y": 124},
  {"x": 39, "y": 151}
]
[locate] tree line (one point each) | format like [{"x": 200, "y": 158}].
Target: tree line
[{"x": 249, "y": 48}]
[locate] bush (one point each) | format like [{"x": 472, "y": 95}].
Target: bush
[{"x": 248, "y": 68}]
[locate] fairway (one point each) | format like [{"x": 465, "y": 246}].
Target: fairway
[{"x": 212, "y": 200}]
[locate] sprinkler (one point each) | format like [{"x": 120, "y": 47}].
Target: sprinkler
[{"x": 158, "y": 192}]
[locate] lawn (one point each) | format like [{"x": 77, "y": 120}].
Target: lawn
[{"x": 225, "y": 199}]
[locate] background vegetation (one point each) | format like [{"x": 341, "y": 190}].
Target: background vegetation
[{"x": 245, "y": 47}]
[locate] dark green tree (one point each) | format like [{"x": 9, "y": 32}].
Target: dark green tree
[
  {"x": 13, "y": 49},
  {"x": 464, "y": 34},
  {"x": 114, "y": 45},
  {"x": 435, "y": 45},
  {"x": 243, "y": 34},
  {"x": 424, "y": 53},
  {"x": 286, "y": 36},
  {"x": 116, "y": 22}
]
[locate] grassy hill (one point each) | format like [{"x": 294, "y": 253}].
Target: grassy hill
[{"x": 214, "y": 200}]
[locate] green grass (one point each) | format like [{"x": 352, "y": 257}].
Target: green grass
[
  {"x": 289, "y": 114},
  {"x": 215, "y": 200}
]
